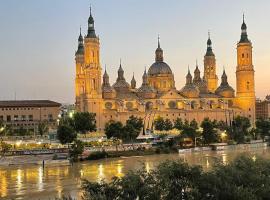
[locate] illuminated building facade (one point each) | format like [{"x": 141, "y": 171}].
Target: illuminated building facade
[{"x": 158, "y": 96}]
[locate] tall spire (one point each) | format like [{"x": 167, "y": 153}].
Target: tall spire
[
  {"x": 133, "y": 82},
  {"x": 158, "y": 41},
  {"x": 120, "y": 72},
  {"x": 188, "y": 77},
  {"x": 80, "y": 50},
  {"x": 159, "y": 52},
  {"x": 91, "y": 26},
  {"x": 209, "y": 50},
  {"x": 244, "y": 36}
]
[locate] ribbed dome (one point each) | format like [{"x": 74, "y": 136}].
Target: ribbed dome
[
  {"x": 159, "y": 68},
  {"x": 190, "y": 91},
  {"x": 225, "y": 90}
]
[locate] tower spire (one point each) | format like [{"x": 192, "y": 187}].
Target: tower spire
[
  {"x": 158, "y": 41},
  {"x": 91, "y": 26},
  {"x": 244, "y": 36}
]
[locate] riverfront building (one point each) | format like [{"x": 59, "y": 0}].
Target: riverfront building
[
  {"x": 263, "y": 108},
  {"x": 28, "y": 114},
  {"x": 202, "y": 96}
]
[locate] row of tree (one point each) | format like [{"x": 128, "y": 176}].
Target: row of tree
[
  {"x": 128, "y": 132},
  {"x": 242, "y": 179},
  {"x": 237, "y": 131}
]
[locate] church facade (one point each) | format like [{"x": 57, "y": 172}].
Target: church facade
[{"x": 200, "y": 97}]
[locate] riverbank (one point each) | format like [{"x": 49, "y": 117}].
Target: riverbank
[{"x": 48, "y": 160}]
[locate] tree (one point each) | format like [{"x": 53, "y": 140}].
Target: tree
[
  {"x": 209, "y": 134},
  {"x": 4, "y": 147},
  {"x": 115, "y": 131},
  {"x": 76, "y": 149},
  {"x": 263, "y": 127},
  {"x": 43, "y": 128},
  {"x": 178, "y": 124},
  {"x": 239, "y": 130},
  {"x": 168, "y": 125},
  {"x": 84, "y": 122},
  {"x": 190, "y": 130},
  {"x": 66, "y": 134},
  {"x": 132, "y": 128},
  {"x": 163, "y": 125},
  {"x": 242, "y": 179},
  {"x": 159, "y": 124}
]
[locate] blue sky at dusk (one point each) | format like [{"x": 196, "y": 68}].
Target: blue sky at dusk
[{"x": 38, "y": 40}]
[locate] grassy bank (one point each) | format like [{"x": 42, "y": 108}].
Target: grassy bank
[{"x": 138, "y": 152}]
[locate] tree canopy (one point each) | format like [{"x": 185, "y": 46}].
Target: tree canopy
[
  {"x": 66, "y": 134},
  {"x": 242, "y": 179},
  {"x": 84, "y": 122},
  {"x": 209, "y": 133}
]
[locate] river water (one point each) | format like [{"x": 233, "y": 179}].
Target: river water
[{"x": 34, "y": 182}]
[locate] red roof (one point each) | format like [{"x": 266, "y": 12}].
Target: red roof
[{"x": 29, "y": 103}]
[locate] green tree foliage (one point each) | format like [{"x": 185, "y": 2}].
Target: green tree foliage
[
  {"x": 163, "y": 125},
  {"x": 189, "y": 130},
  {"x": 66, "y": 134},
  {"x": 132, "y": 128},
  {"x": 209, "y": 133},
  {"x": 4, "y": 147},
  {"x": 239, "y": 129},
  {"x": 43, "y": 128},
  {"x": 263, "y": 127},
  {"x": 114, "y": 129},
  {"x": 76, "y": 149},
  {"x": 243, "y": 179},
  {"x": 178, "y": 124},
  {"x": 84, "y": 122}
]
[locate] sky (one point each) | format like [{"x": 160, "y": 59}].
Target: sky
[{"x": 38, "y": 40}]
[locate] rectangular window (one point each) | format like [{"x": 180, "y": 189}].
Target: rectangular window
[
  {"x": 50, "y": 117},
  {"x": 8, "y": 118},
  {"x": 16, "y": 118},
  {"x": 23, "y": 118},
  {"x": 1, "y": 118},
  {"x": 30, "y": 117}
]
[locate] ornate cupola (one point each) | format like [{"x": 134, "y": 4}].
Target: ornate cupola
[
  {"x": 244, "y": 36},
  {"x": 197, "y": 81},
  {"x": 146, "y": 91},
  {"x": 209, "y": 50},
  {"x": 80, "y": 50},
  {"x": 91, "y": 26},
  {"x": 133, "y": 82},
  {"x": 225, "y": 90},
  {"x": 160, "y": 75},
  {"x": 108, "y": 92},
  {"x": 159, "y": 53},
  {"x": 197, "y": 74},
  {"x": 121, "y": 86},
  {"x": 190, "y": 90},
  {"x": 188, "y": 78}
]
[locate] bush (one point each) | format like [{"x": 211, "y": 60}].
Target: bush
[
  {"x": 97, "y": 155},
  {"x": 158, "y": 150}
]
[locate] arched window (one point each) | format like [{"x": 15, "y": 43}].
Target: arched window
[{"x": 243, "y": 55}]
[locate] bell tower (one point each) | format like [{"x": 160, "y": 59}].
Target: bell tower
[
  {"x": 245, "y": 84},
  {"x": 88, "y": 73},
  {"x": 210, "y": 67}
]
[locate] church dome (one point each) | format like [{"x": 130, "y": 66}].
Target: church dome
[
  {"x": 190, "y": 91},
  {"x": 159, "y": 68},
  {"x": 225, "y": 90}
]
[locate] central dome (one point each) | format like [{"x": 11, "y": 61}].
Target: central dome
[{"x": 159, "y": 68}]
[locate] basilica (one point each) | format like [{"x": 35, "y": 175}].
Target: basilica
[{"x": 201, "y": 96}]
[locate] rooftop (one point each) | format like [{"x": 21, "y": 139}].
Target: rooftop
[{"x": 29, "y": 103}]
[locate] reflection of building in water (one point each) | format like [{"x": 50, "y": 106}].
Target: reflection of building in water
[{"x": 158, "y": 95}]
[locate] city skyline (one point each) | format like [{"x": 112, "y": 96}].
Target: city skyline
[{"x": 48, "y": 61}]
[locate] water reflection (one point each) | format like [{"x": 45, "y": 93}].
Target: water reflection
[{"x": 34, "y": 182}]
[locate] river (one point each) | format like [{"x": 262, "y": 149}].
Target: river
[{"x": 33, "y": 182}]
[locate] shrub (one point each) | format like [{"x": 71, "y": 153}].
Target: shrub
[{"x": 97, "y": 155}]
